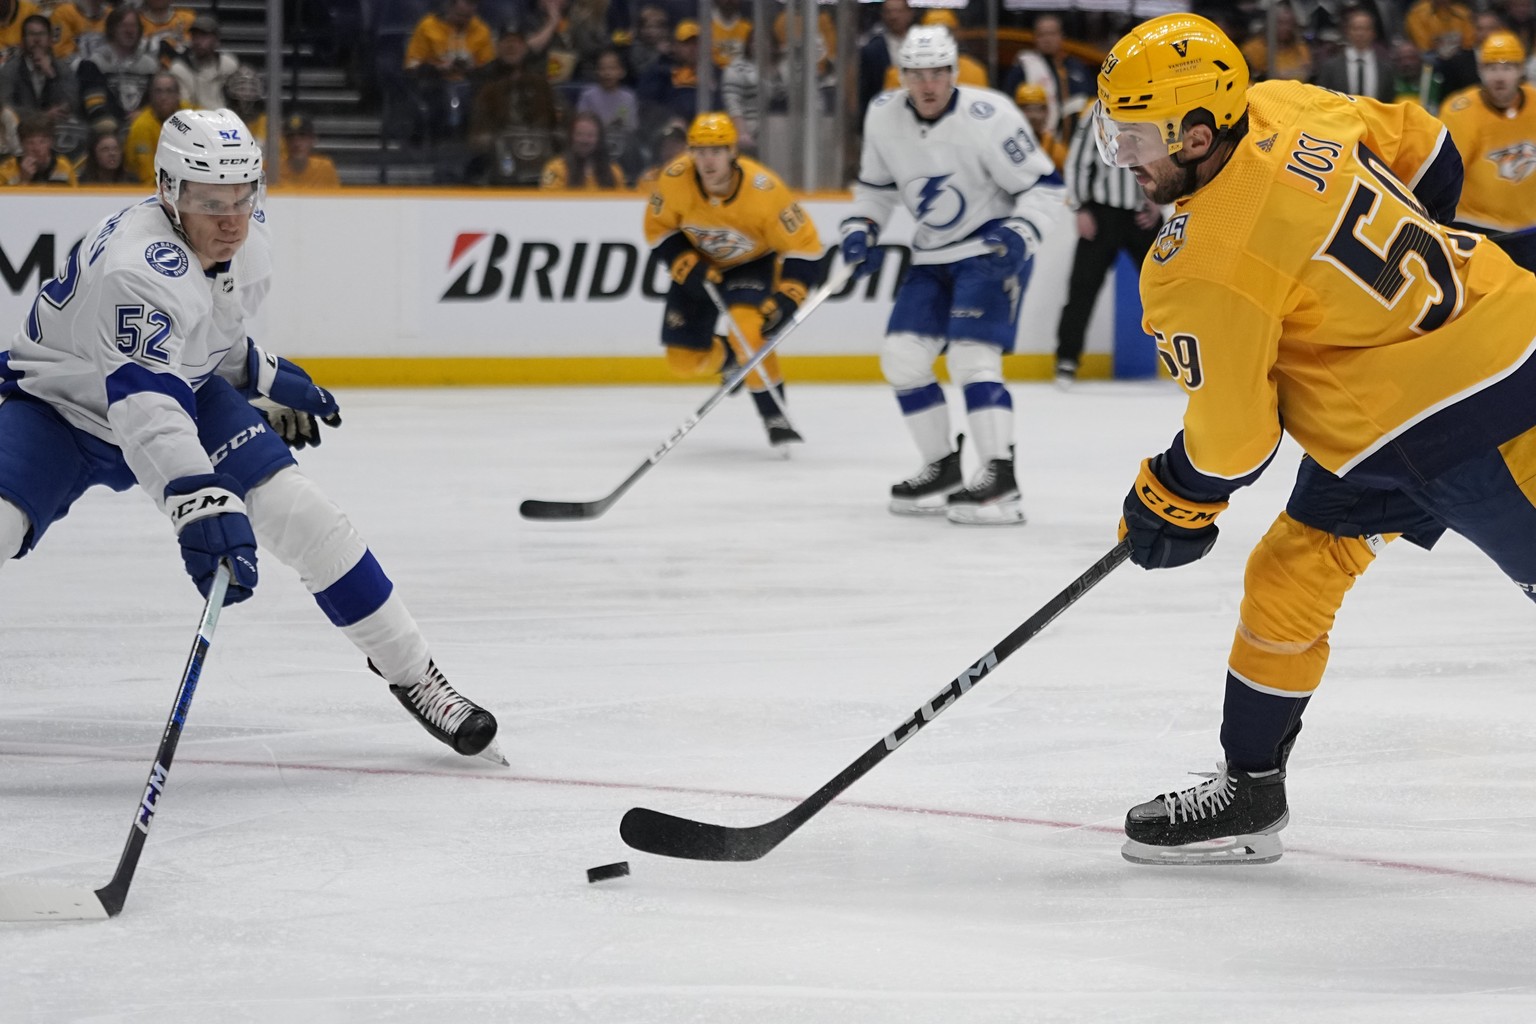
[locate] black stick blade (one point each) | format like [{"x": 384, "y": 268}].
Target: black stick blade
[
  {"x": 669, "y": 836},
  {"x": 533, "y": 508}
]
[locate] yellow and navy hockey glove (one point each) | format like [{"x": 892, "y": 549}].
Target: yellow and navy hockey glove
[
  {"x": 1164, "y": 528},
  {"x": 690, "y": 270},
  {"x": 781, "y": 306}
]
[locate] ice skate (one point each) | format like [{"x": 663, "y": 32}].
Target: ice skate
[
  {"x": 992, "y": 499},
  {"x": 924, "y": 494},
  {"x": 781, "y": 432},
  {"x": 1066, "y": 375},
  {"x": 449, "y": 716},
  {"x": 1233, "y": 817}
]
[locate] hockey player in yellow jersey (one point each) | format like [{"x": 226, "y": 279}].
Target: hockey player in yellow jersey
[
  {"x": 1494, "y": 128},
  {"x": 1305, "y": 282},
  {"x": 717, "y": 216}
]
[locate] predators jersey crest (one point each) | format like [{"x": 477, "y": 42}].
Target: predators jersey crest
[
  {"x": 1169, "y": 240},
  {"x": 723, "y": 245},
  {"x": 1514, "y": 163}
]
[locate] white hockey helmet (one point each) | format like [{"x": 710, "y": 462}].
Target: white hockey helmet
[
  {"x": 211, "y": 146},
  {"x": 928, "y": 46}
]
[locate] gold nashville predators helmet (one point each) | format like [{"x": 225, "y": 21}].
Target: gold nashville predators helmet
[
  {"x": 712, "y": 129},
  {"x": 1501, "y": 48},
  {"x": 1155, "y": 76}
]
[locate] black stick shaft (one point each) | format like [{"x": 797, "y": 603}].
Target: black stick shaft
[
  {"x": 671, "y": 836},
  {"x": 535, "y": 508},
  {"x": 115, "y": 893}
]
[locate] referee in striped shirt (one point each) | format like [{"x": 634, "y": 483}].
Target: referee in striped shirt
[{"x": 1112, "y": 214}]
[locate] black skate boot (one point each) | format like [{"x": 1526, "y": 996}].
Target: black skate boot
[
  {"x": 770, "y": 406},
  {"x": 781, "y": 432},
  {"x": 992, "y": 499},
  {"x": 1066, "y": 374},
  {"x": 1234, "y": 817},
  {"x": 448, "y": 715},
  {"x": 924, "y": 494}
]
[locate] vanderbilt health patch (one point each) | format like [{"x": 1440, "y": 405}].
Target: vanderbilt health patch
[{"x": 167, "y": 258}]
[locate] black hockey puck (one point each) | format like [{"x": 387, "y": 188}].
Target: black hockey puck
[{"x": 603, "y": 872}]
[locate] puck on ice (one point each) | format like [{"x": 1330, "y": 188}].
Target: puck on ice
[{"x": 604, "y": 872}]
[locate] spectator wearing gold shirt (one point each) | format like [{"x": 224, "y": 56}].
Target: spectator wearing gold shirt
[
  {"x": 302, "y": 167},
  {"x": 37, "y": 164}
]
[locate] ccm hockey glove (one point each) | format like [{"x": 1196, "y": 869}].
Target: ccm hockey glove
[
  {"x": 296, "y": 427},
  {"x": 690, "y": 270},
  {"x": 781, "y": 306},
  {"x": 286, "y": 383},
  {"x": 1013, "y": 243},
  {"x": 211, "y": 527},
  {"x": 1165, "y": 529},
  {"x": 859, "y": 249}
]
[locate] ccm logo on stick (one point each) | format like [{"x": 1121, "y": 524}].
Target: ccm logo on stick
[{"x": 941, "y": 700}]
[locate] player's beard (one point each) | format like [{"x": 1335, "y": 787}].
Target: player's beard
[{"x": 1180, "y": 181}]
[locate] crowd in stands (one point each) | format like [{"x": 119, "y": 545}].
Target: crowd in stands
[
  {"x": 523, "y": 88},
  {"x": 86, "y": 85}
]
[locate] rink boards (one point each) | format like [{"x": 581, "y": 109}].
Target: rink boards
[{"x": 431, "y": 287}]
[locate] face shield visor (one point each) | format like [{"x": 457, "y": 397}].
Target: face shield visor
[
  {"x": 1127, "y": 143},
  {"x": 206, "y": 200}
]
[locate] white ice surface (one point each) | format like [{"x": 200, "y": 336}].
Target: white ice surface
[{"x": 726, "y": 639}]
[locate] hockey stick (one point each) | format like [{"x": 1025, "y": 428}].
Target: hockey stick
[
  {"x": 671, "y": 836},
  {"x": 22, "y": 902},
  {"x": 534, "y": 508},
  {"x": 741, "y": 339}
]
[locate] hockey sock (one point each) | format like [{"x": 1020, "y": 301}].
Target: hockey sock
[
  {"x": 927, "y": 417},
  {"x": 391, "y": 640},
  {"x": 1255, "y": 724},
  {"x": 766, "y": 406},
  {"x": 989, "y": 411},
  {"x": 690, "y": 363}
]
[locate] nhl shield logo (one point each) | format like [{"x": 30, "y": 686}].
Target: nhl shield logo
[{"x": 1169, "y": 240}]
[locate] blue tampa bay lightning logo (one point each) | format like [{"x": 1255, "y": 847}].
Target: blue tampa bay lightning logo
[
  {"x": 939, "y": 205},
  {"x": 167, "y": 259}
]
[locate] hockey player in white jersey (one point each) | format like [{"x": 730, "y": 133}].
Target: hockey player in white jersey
[
  {"x": 135, "y": 366},
  {"x": 983, "y": 194}
]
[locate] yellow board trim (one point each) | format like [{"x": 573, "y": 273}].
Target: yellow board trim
[{"x": 503, "y": 371}]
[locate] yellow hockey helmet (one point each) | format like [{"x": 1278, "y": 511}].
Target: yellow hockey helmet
[
  {"x": 1501, "y": 48},
  {"x": 1157, "y": 74},
  {"x": 1029, "y": 92},
  {"x": 712, "y": 129}
]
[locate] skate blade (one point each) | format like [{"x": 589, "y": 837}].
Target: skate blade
[
  {"x": 1001, "y": 514},
  {"x": 492, "y": 753},
  {"x": 915, "y": 506},
  {"x": 1254, "y": 849}
]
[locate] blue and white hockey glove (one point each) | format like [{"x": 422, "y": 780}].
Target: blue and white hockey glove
[
  {"x": 859, "y": 249},
  {"x": 211, "y": 527},
  {"x": 1013, "y": 242},
  {"x": 286, "y": 383},
  {"x": 1165, "y": 529}
]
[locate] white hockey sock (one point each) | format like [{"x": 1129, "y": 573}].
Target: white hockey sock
[
  {"x": 391, "y": 640},
  {"x": 299, "y": 524},
  {"x": 930, "y": 429},
  {"x": 992, "y": 430},
  {"x": 13, "y": 529}
]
